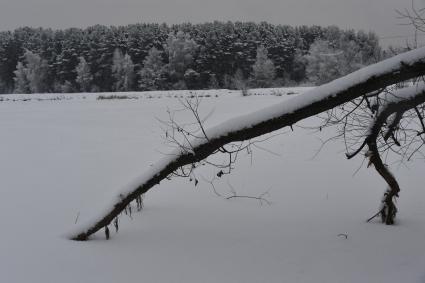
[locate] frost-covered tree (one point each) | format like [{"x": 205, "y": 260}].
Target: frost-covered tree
[
  {"x": 152, "y": 72},
  {"x": 263, "y": 70},
  {"x": 129, "y": 74},
  {"x": 223, "y": 48},
  {"x": 37, "y": 71},
  {"x": 353, "y": 58},
  {"x": 122, "y": 71},
  {"x": 239, "y": 82},
  {"x": 181, "y": 50},
  {"x": 84, "y": 77},
  {"x": 22, "y": 84},
  {"x": 32, "y": 75},
  {"x": 325, "y": 62}
]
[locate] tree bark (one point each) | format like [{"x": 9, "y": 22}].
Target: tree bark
[{"x": 398, "y": 107}]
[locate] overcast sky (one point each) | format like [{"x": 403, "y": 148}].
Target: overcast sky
[{"x": 376, "y": 15}]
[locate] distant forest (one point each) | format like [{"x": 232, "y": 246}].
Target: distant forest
[{"x": 185, "y": 56}]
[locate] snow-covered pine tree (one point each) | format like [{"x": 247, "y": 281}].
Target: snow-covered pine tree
[
  {"x": 223, "y": 48},
  {"x": 151, "y": 74},
  {"x": 66, "y": 61},
  {"x": 84, "y": 77},
  {"x": 263, "y": 70}
]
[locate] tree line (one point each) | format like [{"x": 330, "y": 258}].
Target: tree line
[{"x": 186, "y": 56}]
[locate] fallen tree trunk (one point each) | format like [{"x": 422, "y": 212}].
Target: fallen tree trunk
[{"x": 399, "y": 68}]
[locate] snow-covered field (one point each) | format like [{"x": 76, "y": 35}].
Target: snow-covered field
[{"x": 61, "y": 157}]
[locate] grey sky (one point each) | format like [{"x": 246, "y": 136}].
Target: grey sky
[{"x": 377, "y": 15}]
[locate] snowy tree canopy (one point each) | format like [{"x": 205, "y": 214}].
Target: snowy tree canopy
[{"x": 221, "y": 49}]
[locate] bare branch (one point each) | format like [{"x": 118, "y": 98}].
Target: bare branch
[{"x": 405, "y": 100}]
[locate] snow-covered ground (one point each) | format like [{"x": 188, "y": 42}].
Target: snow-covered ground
[
  {"x": 149, "y": 94},
  {"x": 60, "y": 160}
]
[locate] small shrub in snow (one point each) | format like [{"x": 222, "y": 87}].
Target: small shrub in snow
[{"x": 113, "y": 96}]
